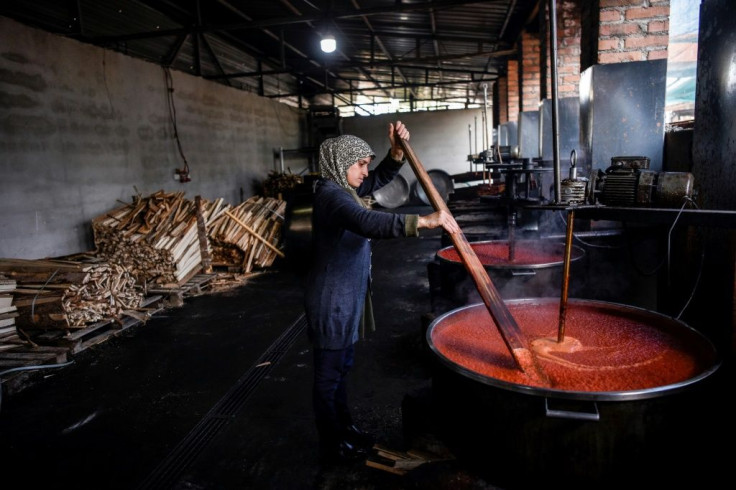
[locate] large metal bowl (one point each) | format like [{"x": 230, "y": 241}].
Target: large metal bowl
[
  {"x": 393, "y": 194},
  {"x": 442, "y": 181},
  {"x": 522, "y": 436},
  {"x": 552, "y": 253},
  {"x": 696, "y": 345}
]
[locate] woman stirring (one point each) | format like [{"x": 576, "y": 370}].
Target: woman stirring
[{"x": 338, "y": 298}]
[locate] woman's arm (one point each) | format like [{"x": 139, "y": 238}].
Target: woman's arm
[{"x": 440, "y": 218}]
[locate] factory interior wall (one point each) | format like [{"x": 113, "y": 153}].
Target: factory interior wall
[
  {"x": 83, "y": 129},
  {"x": 440, "y": 139}
]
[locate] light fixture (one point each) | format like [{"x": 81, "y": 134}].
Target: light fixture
[{"x": 328, "y": 43}]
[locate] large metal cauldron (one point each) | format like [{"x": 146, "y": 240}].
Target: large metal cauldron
[
  {"x": 535, "y": 271},
  {"x": 522, "y": 436}
]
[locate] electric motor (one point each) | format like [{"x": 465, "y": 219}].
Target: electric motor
[{"x": 629, "y": 182}]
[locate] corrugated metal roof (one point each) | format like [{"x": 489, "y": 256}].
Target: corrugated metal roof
[{"x": 409, "y": 50}]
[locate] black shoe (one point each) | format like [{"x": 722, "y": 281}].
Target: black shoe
[
  {"x": 342, "y": 453},
  {"x": 359, "y": 438}
]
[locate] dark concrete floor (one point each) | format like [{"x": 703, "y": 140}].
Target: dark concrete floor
[{"x": 217, "y": 395}]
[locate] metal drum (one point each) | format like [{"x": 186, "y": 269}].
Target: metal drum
[{"x": 624, "y": 403}]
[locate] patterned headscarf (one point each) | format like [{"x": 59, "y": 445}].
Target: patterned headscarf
[{"x": 337, "y": 155}]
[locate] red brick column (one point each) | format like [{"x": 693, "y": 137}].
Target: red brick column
[
  {"x": 512, "y": 74},
  {"x": 633, "y": 30},
  {"x": 568, "y": 47},
  {"x": 503, "y": 101},
  {"x": 569, "y": 27},
  {"x": 530, "y": 72}
]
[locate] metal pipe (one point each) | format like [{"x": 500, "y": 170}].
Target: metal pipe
[
  {"x": 470, "y": 148},
  {"x": 475, "y": 119},
  {"x": 565, "y": 276},
  {"x": 555, "y": 121},
  {"x": 490, "y": 125},
  {"x": 512, "y": 233},
  {"x": 485, "y": 117}
]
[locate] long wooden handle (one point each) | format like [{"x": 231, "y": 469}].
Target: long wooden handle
[
  {"x": 253, "y": 232},
  {"x": 501, "y": 315}
]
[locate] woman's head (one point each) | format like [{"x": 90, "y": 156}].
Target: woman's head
[{"x": 345, "y": 160}]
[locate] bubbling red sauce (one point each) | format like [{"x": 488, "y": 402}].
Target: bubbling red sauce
[
  {"x": 525, "y": 253},
  {"x": 606, "y": 347}
]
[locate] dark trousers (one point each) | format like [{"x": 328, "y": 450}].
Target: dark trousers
[{"x": 330, "y": 396}]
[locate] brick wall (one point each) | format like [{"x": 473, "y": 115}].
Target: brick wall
[
  {"x": 503, "y": 103},
  {"x": 569, "y": 27},
  {"x": 568, "y": 47},
  {"x": 633, "y": 30},
  {"x": 512, "y": 75},
  {"x": 530, "y": 71}
]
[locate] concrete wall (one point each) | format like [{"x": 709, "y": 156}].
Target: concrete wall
[
  {"x": 440, "y": 139},
  {"x": 82, "y": 128}
]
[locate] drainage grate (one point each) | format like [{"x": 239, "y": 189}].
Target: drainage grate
[{"x": 169, "y": 470}]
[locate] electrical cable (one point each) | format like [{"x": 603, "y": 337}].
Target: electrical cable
[
  {"x": 26, "y": 368},
  {"x": 669, "y": 234},
  {"x": 587, "y": 244},
  {"x": 700, "y": 267},
  {"x": 632, "y": 257},
  {"x": 172, "y": 114}
]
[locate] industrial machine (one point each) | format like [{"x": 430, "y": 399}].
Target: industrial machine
[{"x": 629, "y": 182}]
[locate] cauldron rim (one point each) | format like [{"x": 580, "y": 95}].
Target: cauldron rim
[
  {"x": 576, "y": 254},
  {"x": 639, "y": 394}
]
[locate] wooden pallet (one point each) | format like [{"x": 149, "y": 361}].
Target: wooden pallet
[
  {"x": 78, "y": 340},
  {"x": 20, "y": 364},
  {"x": 193, "y": 287},
  {"x": 27, "y": 355}
]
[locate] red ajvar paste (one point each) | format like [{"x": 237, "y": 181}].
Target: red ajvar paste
[
  {"x": 605, "y": 349},
  {"x": 497, "y": 253}
]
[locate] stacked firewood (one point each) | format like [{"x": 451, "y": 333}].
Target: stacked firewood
[
  {"x": 8, "y": 313},
  {"x": 277, "y": 184},
  {"x": 64, "y": 294},
  {"x": 161, "y": 239},
  {"x": 248, "y": 235}
]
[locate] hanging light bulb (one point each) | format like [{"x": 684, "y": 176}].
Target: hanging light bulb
[{"x": 328, "y": 43}]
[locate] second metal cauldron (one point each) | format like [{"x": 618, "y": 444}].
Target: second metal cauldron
[{"x": 536, "y": 270}]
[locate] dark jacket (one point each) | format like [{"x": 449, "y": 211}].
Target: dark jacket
[{"x": 338, "y": 280}]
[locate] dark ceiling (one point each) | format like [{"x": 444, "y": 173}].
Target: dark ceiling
[{"x": 415, "y": 51}]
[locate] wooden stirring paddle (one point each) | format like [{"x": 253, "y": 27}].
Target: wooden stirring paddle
[{"x": 501, "y": 315}]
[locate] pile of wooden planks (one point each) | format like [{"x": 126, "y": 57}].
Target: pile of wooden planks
[
  {"x": 248, "y": 234},
  {"x": 161, "y": 239},
  {"x": 64, "y": 294},
  {"x": 8, "y": 312}
]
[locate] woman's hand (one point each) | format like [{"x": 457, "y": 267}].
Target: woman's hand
[
  {"x": 440, "y": 218},
  {"x": 397, "y": 153}
]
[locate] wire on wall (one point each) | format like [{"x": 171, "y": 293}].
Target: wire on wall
[{"x": 181, "y": 174}]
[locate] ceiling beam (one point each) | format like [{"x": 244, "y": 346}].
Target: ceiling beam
[{"x": 298, "y": 19}]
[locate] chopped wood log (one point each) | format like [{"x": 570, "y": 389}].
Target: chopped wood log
[
  {"x": 157, "y": 237},
  {"x": 249, "y": 234},
  {"x": 204, "y": 243},
  {"x": 62, "y": 294}
]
